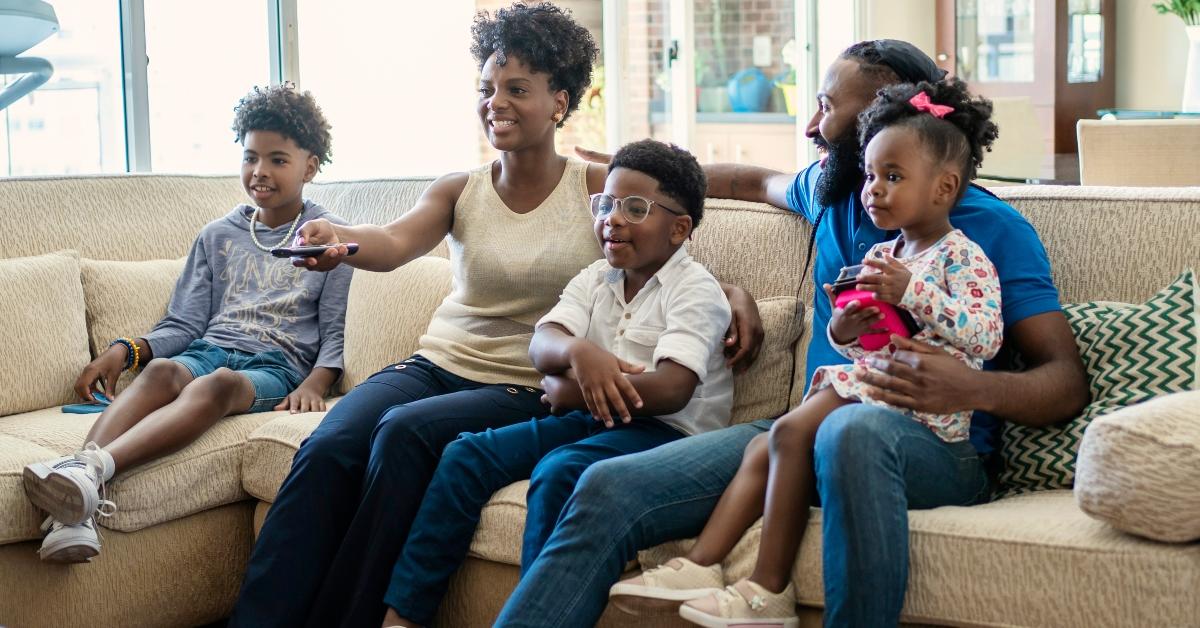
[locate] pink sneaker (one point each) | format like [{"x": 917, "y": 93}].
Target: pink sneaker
[{"x": 743, "y": 604}]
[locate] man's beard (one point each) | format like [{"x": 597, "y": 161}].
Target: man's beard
[{"x": 842, "y": 175}]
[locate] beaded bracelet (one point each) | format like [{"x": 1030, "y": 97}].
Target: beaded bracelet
[{"x": 132, "y": 360}]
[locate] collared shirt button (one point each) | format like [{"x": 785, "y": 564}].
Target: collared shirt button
[
  {"x": 620, "y": 332},
  {"x": 862, "y": 246},
  {"x": 628, "y": 315}
]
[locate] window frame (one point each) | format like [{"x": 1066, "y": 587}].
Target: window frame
[{"x": 283, "y": 48}]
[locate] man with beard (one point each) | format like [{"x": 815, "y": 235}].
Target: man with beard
[{"x": 868, "y": 473}]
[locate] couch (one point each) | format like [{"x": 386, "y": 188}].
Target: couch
[{"x": 91, "y": 257}]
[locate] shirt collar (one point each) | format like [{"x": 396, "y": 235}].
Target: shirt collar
[{"x": 666, "y": 275}]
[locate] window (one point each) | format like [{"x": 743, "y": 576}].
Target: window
[
  {"x": 75, "y": 122},
  {"x": 400, "y": 93},
  {"x": 200, "y": 62}
]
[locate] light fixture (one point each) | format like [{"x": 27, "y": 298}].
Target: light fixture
[{"x": 23, "y": 25}]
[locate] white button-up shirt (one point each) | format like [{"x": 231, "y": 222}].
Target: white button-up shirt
[{"x": 681, "y": 315}]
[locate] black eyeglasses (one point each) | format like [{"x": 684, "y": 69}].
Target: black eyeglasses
[{"x": 635, "y": 209}]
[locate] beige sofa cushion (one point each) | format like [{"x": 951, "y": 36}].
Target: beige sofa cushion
[
  {"x": 183, "y": 573},
  {"x": 762, "y": 390},
  {"x": 388, "y": 312},
  {"x": 268, "y": 458},
  {"x": 122, "y": 216},
  {"x": 126, "y": 299},
  {"x": 203, "y": 475},
  {"x": 19, "y": 519},
  {"x": 1139, "y": 468},
  {"x": 1030, "y": 560},
  {"x": 269, "y": 452},
  {"x": 42, "y": 315}
]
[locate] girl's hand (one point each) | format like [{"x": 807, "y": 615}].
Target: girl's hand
[
  {"x": 601, "y": 377},
  {"x": 321, "y": 231},
  {"x": 890, "y": 283},
  {"x": 101, "y": 374},
  {"x": 852, "y": 321},
  {"x": 303, "y": 399}
]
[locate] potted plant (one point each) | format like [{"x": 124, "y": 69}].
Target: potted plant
[
  {"x": 787, "y": 80},
  {"x": 1189, "y": 12}
]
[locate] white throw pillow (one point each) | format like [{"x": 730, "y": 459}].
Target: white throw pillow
[
  {"x": 1139, "y": 468},
  {"x": 126, "y": 299},
  {"x": 45, "y": 336}
]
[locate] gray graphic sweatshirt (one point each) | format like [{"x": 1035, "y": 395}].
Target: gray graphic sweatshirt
[{"x": 237, "y": 296}]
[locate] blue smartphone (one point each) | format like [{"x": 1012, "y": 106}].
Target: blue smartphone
[{"x": 88, "y": 408}]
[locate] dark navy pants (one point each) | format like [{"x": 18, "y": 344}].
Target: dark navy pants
[
  {"x": 551, "y": 452},
  {"x": 327, "y": 547}
]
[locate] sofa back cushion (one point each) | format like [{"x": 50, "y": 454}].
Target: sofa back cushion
[
  {"x": 1112, "y": 244},
  {"x": 45, "y": 343},
  {"x": 388, "y": 312},
  {"x": 762, "y": 391},
  {"x": 115, "y": 217},
  {"x": 126, "y": 299},
  {"x": 372, "y": 202}
]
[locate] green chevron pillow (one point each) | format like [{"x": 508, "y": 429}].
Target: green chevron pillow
[{"x": 1131, "y": 353}]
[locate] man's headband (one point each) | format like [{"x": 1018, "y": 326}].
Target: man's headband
[{"x": 907, "y": 61}]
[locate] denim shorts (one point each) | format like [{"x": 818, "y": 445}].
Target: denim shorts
[{"x": 272, "y": 376}]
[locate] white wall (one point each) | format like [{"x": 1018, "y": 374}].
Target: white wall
[
  {"x": 397, "y": 84},
  {"x": 909, "y": 20},
  {"x": 1151, "y": 54},
  {"x": 1151, "y": 48}
]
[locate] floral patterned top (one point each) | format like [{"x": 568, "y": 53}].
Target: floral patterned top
[{"x": 954, "y": 297}]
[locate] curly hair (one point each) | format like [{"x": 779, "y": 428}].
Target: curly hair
[
  {"x": 288, "y": 112},
  {"x": 679, "y": 175},
  {"x": 546, "y": 38},
  {"x": 961, "y": 137}
]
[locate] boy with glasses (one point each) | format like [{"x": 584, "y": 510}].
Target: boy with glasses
[{"x": 632, "y": 356}]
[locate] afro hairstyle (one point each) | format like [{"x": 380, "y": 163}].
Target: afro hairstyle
[
  {"x": 544, "y": 37},
  {"x": 288, "y": 112},
  {"x": 679, "y": 175}
]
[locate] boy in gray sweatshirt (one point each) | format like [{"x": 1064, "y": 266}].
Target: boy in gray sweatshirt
[{"x": 244, "y": 331}]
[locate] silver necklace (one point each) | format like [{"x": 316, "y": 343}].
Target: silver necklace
[{"x": 287, "y": 238}]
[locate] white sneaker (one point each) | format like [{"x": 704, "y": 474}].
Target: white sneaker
[
  {"x": 68, "y": 488},
  {"x": 665, "y": 587},
  {"x": 69, "y": 544}
]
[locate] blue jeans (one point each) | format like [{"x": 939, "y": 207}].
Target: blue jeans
[
  {"x": 553, "y": 452},
  {"x": 273, "y": 378},
  {"x": 872, "y": 465},
  {"x": 328, "y": 544}
]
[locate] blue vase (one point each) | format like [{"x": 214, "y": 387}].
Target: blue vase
[{"x": 749, "y": 91}]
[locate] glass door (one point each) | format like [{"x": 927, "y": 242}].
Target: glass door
[
  {"x": 746, "y": 94},
  {"x": 643, "y": 60},
  {"x": 731, "y": 80}
]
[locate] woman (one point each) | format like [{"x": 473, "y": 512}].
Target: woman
[{"x": 520, "y": 228}]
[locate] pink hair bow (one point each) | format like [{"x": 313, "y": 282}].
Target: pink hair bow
[{"x": 922, "y": 103}]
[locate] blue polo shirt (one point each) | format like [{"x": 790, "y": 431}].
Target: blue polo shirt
[{"x": 846, "y": 233}]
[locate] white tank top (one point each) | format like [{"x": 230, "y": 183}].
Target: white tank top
[{"x": 509, "y": 270}]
